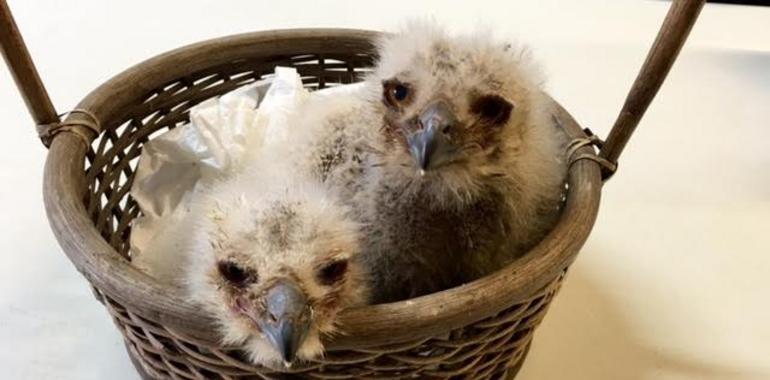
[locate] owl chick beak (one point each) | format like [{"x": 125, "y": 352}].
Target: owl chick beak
[
  {"x": 429, "y": 145},
  {"x": 286, "y": 320}
]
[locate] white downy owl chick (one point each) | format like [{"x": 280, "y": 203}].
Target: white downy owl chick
[
  {"x": 470, "y": 170},
  {"x": 273, "y": 258},
  {"x": 332, "y": 137},
  {"x": 447, "y": 154}
]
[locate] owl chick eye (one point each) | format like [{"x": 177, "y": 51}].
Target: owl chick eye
[
  {"x": 396, "y": 93},
  {"x": 492, "y": 108},
  {"x": 332, "y": 272},
  {"x": 234, "y": 274}
]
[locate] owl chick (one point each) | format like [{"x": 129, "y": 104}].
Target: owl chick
[
  {"x": 274, "y": 259},
  {"x": 469, "y": 165},
  {"x": 447, "y": 155}
]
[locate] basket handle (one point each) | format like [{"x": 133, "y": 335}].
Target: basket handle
[
  {"x": 671, "y": 37},
  {"x": 23, "y": 70}
]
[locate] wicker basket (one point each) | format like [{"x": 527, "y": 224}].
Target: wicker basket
[{"x": 481, "y": 330}]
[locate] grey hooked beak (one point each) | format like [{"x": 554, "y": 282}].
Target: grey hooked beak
[
  {"x": 430, "y": 146},
  {"x": 286, "y": 321}
]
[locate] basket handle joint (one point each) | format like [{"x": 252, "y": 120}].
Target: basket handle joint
[
  {"x": 608, "y": 167},
  {"x": 80, "y": 122}
]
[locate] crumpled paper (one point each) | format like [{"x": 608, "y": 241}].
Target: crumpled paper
[{"x": 223, "y": 134}]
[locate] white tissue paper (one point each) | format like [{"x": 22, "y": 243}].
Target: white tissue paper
[{"x": 223, "y": 133}]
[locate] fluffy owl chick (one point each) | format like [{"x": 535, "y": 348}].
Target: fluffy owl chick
[
  {"x": 470, "y": 173},
  {"x": 274, "y": 264}
]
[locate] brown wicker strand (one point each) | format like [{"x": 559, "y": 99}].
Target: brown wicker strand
[
  {"x": 608, "y": 168},
  {"x": 79, "y": 122}
]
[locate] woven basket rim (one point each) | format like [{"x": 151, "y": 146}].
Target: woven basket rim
[{"x": 373, "y": 325}]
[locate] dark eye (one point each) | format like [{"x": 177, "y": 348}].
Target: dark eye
[
  {"x": 396, "y": 93},
  {"x": 332, "y": 272},
  {"x": 493, "y": 108},
  {"x": 400, "y": 92},
  {"x": 234, "y": 274}
]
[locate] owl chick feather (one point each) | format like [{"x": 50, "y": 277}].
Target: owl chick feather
[
  {"x": 273, "y": 258},
  {"x": 449, "y": 158}
]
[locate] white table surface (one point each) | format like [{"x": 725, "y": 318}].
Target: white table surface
[{"x": 674, "y": 282}]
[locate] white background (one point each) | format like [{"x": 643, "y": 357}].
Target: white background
[{"x": 674, "y": 281}]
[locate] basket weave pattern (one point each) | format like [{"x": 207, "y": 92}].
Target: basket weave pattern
[
  {"x": 488, "y": 349},
  {"x": 491, "y": 349}
]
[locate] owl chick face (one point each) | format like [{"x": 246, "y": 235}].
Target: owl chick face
[
  {"x": 276, "y": 276},
  {"x": 455, "y": 108}
]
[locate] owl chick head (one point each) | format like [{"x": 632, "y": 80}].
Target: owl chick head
[
  {"x": 275, "y": 268},
  {"x": 457, "y": 109}
]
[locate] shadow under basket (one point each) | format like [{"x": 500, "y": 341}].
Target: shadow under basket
[{"x": 481, "y": 330}]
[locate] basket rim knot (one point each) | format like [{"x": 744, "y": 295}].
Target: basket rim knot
[
  {"x": 591, "y": 139},
  {"x": 82, "y": 123}
]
